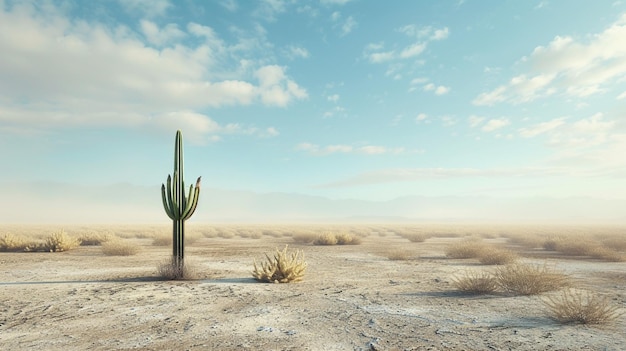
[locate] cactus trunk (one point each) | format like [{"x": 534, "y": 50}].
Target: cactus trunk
[{"x": 178, "y": 206}]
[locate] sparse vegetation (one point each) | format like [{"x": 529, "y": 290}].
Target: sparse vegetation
[
  {"x": 465, "y": 249},
  {"x": 119, "y": 247},
  {"x": 476, "y": 283},
  {"x": 162, "y": 240},
  {"x": 173, "y": 270},
  {"x": 284, "y": 267},
  {"x": 327, "y": 238},
  {"x": 584, "y": 307},
  {"x": 60, "y": 241},
  {"x": 342, "y": 238},
  {"x": 399, "y": 255},
  {"x": 11, "y": 242},
  {"x": 496, "y": 256},
  {"x": 93, "y": 238},
  {"x": 527, "y": 279}
]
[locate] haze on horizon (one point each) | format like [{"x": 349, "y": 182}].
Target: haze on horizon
[{"x": 448, "y": 110}]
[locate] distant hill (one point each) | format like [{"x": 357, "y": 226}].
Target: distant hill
[{"x": 127, "y": 203}]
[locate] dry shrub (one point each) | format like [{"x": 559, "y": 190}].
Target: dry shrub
[
  {"x": 119, "y": 248},
  {"x": 616, "y": 242},
  {"x": 11, "y": 242},
  {"x": 527, "y": 279},
  {"x": 95, "y": 238},
  {"x": 304, "y": 238},
  {"x": 529, "y": 241},
  {"x": 347, "y": 239},
  {"x": 415, "y": 237},
  {"x": 171, "y": 270},
  {"x": 284, "y": 267},
  {"x": 476, "y": 283},
  {"x": 327, "y": 238},
  {"x": 575, "y": 247},
  {"x": 162, "y": 240},
  {"x": 226, "y": 234},
  {"x": 399, "y": 255},
  {"x": 496, "y": 256},
  {"x": 606, "y": 254},
  {"x": 465, "y": 249},
  {"x": 577, "y": 306},
  {"x": 60, "y": 241},
  {"x": 551, "y": 243}
]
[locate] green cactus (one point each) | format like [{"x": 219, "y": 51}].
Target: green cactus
[{"x": 178, "y": 206}]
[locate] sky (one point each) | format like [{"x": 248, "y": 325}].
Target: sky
[{"x": 343, "y": 99}]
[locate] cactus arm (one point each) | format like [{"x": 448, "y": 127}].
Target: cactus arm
[
  {"x": 168, "y": 209},
  {"x": 170, "y": 198}
]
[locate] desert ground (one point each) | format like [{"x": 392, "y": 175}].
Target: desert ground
[{"x": 384, "y": 293}]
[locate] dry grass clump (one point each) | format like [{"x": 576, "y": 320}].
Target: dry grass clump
[
  {"x": 304, "y": 238},
  {"x": 327, "y": 238},
  {"x": 529, "y": 241},
  {"x": 93, "y": 238},
  {"x": 496, "y": 256},
  {"x": 284, "y": 267},
  {"x": 476, "y": 283},
  {"x": 527, "y": 279},
  {"x": 399, "y": 255},
  {"x": 61, "y": 241},
  {"x": 347, "y": 239},
  {"x": 162, "y": 240},
  {"x": 119, "y": 247},
  {"x": 170, "y": 270},
  {"x": 465, "y": 249},
  {"x": 342, "y": 238},
  {"x": 416, "y": 237},
  {"x": 13, "y": 243},
  {"x": 583, "y": 307},
  {"x": 606, "y": 254}
]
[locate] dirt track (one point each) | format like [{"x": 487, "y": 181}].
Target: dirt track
[{"x": 352, "y": 298}]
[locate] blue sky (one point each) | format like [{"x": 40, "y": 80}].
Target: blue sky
[{"x": 343, "y": 99}]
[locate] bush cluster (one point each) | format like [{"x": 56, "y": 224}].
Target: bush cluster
[{"x": 284, "y": 267}]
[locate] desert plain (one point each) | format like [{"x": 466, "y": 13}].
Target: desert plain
[{"x": 395, "y": 288}]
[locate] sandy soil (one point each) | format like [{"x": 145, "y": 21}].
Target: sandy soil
[{"x": 352, "y": 298}]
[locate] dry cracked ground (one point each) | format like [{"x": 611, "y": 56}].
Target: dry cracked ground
[{"x": 352, "y": 298}]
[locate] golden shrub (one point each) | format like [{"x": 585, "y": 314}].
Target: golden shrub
[
  {"x": 577, "y": 306},
  {"x": 528, "y": 279},
  {"x": 119, "y": 248},
  {"x": 476, "y": 283},
  {"x": 284, "y": 267},
  {"x": 61, "y": 241}
]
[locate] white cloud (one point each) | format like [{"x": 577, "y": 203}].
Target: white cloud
[
  {"x": 422, "y": 36},
  {"x": 161, "y": 36},
  {"x": 441, "y": 90},
  {"x": 270, "y": 9},
  {"x": 334, "y": 2},
  {"x": 440, "y": 34},
  {"x": 494, "y": 124},
  {"x": 148, "y": 8},
  {"x": 621, "y": 96},
  {"x": 541, "y": 128},
  {"x": 421, "y": 117},
  {"x": 333, "y": 98},
  {"x": 568, "y": 67},
  {"x": 297, "y": 52},
  {"x": 318, "y": 150},
  {"x": 412, "y": 50},
  {"x": 83, "y": 73},
  {"x": 348, "y": 26},
  {"x": 230, "y": 5},
  {"x": 475, "y": 121}
]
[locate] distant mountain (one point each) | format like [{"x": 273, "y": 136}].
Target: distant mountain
[{"x": 127, "y": 203}]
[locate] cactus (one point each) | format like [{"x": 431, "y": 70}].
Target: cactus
[{"x": 178, "y": 206}]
